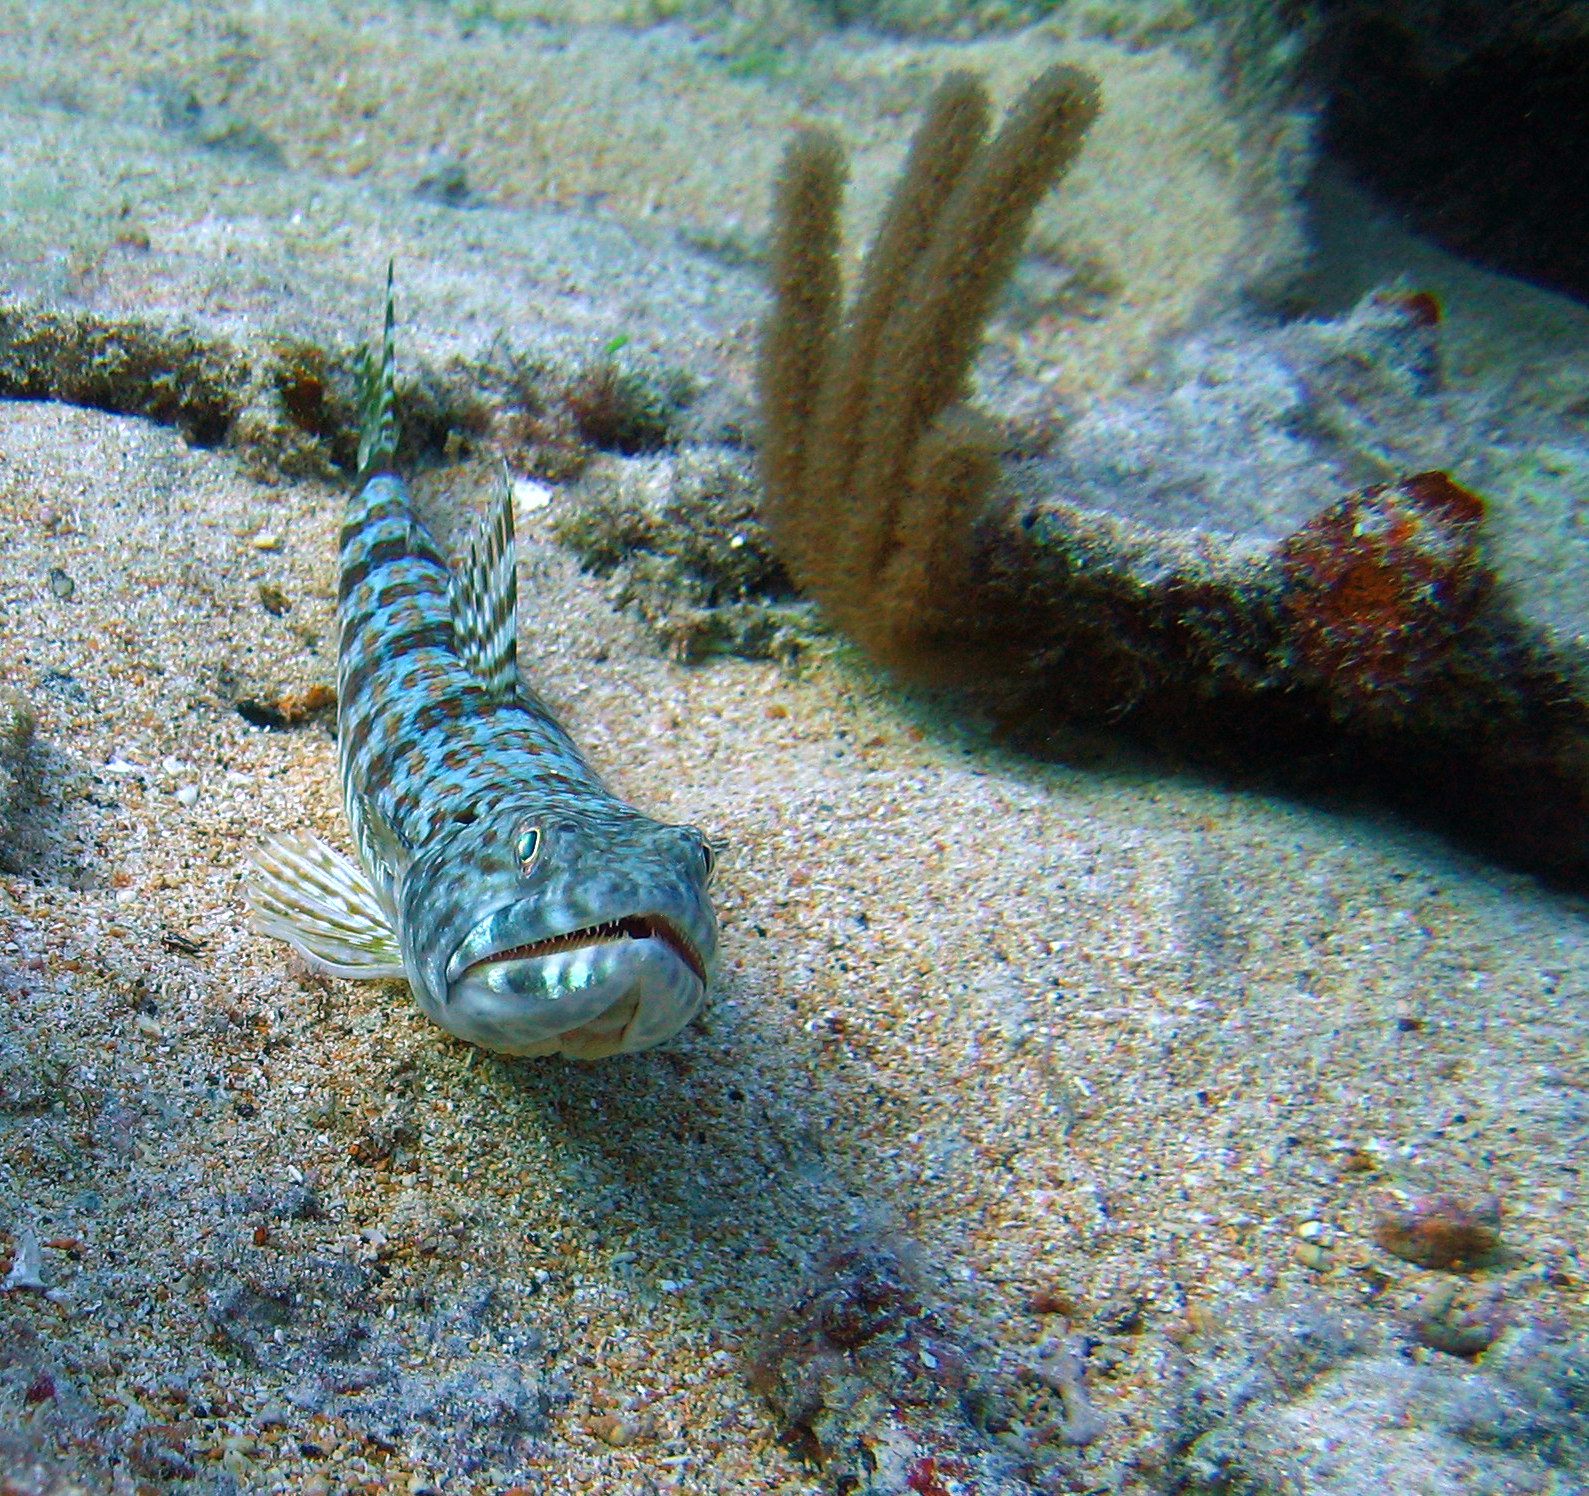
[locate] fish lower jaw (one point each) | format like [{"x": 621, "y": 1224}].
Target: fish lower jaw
[
  {"x": 641, "y": 927},
  {"x": 611, "y": 997}
]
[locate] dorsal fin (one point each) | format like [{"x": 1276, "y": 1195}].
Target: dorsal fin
[
  {"x": 484, "y": 596},
  {"x": 377, "y": 410}
]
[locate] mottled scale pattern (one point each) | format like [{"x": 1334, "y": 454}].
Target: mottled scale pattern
[{"x": 422, "y": 739}]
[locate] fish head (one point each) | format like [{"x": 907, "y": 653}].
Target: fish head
[{"x": 585, "y": 930}]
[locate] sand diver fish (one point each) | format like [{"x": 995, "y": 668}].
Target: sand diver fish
[{"x": 531, "y": 911}]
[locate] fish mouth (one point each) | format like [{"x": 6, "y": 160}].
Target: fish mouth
[{"x": 629, "y": 927}]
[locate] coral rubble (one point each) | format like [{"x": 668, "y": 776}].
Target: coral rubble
[{"x": 874, "y": 1389}]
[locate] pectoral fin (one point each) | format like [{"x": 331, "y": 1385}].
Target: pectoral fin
[{"x": 320, "y": 903}]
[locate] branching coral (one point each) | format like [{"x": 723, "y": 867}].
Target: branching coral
[{"x": 873, "y": 464}]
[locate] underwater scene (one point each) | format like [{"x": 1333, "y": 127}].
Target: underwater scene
[{"x": 816, "y": 746}]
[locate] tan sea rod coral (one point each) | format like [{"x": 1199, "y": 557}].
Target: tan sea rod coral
[{"x": 872, "y": 462}]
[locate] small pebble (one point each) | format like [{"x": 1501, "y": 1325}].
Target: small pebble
[
  {"x": 1459, "y": 1322},
  {"x": 1440, "y": 1231},
  {"x": 188, "y": 794},
  {"x": 27, "y": 1265},
  {"x": 1121, "y": 1316},
  {"x": 61, "y": 584},
  {"x": 159, "y": 1452},
  {"x": 266, "y": 540},
  {"x": 1051, "y": 1301},
  {"x": 273, "y": 600},
  {"x": 529, "y": 495},
  {"x": 611, "y": 1429}
]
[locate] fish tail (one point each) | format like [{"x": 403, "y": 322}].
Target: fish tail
[{"x": 377, "y": 407}]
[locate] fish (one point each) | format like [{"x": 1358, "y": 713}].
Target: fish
[{"x": 530, "y": 910}]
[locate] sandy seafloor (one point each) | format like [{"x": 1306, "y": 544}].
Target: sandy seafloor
[
  {"x": 1070, "y": 1036},
  {"x": 1087, "y": 1033}
]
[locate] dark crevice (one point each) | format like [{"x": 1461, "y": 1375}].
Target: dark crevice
[{"x": 1474, "y": 129}]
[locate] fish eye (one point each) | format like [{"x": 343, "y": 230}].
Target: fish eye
[{"x": 526, "y": 847}]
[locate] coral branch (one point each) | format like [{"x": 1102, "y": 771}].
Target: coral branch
[
  {"x": 950, "y": 133},
  {"x": 797, "y": 340},
  {"x": 872, "y": 470}
]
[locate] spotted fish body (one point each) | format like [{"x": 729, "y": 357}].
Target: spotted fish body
[{"x": 530, "y": 910}]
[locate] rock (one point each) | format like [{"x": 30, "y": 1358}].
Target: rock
[
  {"x": 1441, "y": 1231},
  {"x": 613, "y": 1430},
  {"x": 684, "y": 547},
  {"x": 160, "y": 1452},
  {"x": 1201, "y": 563},
  {"x": 1458, "y": 1322}
]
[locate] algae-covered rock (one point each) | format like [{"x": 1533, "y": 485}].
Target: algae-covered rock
[
  {"x": 17, "y": 724},
  {"x": 681, "y": 540}
]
